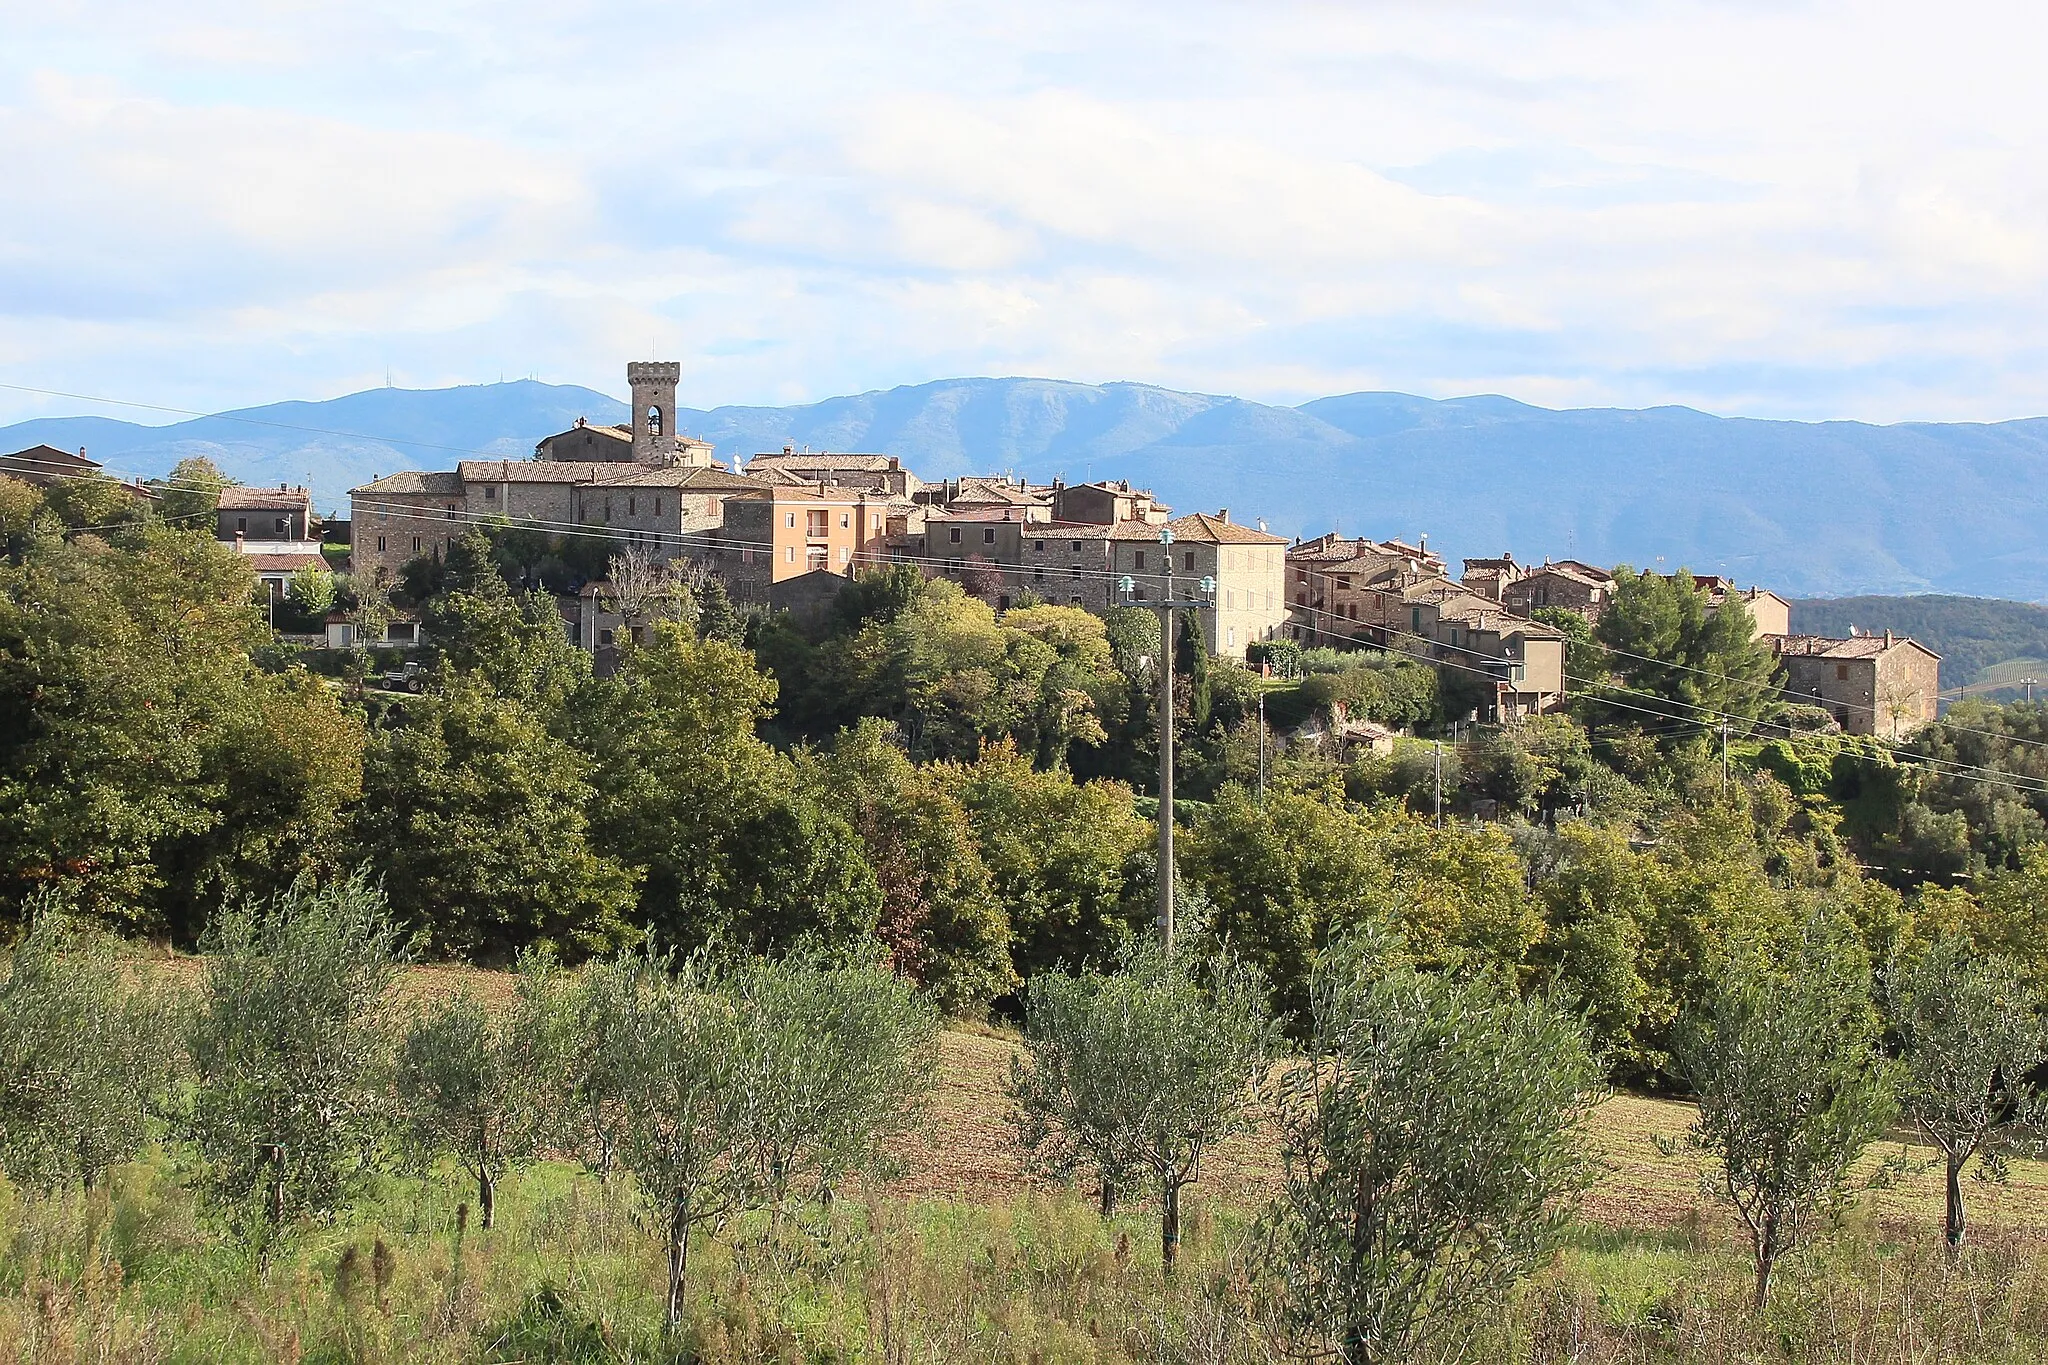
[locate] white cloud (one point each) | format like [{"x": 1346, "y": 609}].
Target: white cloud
[{"x": 1808, "y": 209}]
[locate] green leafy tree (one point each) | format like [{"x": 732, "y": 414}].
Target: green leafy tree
[
  {"x": 85, "y": 1056},
  {"x": 1434, "y": 1146},
  {"x": 93, "y": 501},
  {"x": 480, "y": 1089},
  {"x": 476, "y": 815},
  {"x": 1971, "y": 1038},
  {"x": 291, "y": 1050},
  {"x": 1694, "y": 664},
  {"x": 189, "y": 498},
  {"x": 146, "y": 764},
  {"x": 1143, "y": 1071},
  {"x": 734, "y": 845},
  {"x": 940, "y": 918},
  {"x": 717, "y": 618},
  {"x": 312, "y": 591},
  {"x": 1585, "y": 661},
  {"x": 1069, "y": 860},
  {"x": 1791, "y": 1089}
]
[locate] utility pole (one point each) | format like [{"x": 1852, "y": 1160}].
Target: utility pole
[
  {"x": 1166, "y": 668},
  {"x": 1724, "y": 755},
  {"x": 1439, "y": 784}
]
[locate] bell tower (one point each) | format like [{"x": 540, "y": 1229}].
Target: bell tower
[{"x": 654, "y": 410}]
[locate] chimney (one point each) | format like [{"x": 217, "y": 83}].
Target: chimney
[
  {"x": 238, "y": 543},
  {"x": 580, "y": 421},
  {"x": 81, "y": 452},
  {"x": 788, "y": 449},
  {"x": 1222, "y": 515},
  {"x": 1422, "y": 545},
  {"x": 1887, "y": 637}
]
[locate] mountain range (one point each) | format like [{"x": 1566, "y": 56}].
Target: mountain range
[{"x": 1809, "y": 509}]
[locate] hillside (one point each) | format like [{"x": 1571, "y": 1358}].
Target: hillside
[
  {"x": 1811, "y": 509},
  {"x": 1982, "y": 642}
]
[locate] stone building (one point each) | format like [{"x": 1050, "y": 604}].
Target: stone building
[
  {"x": 1249, "y": 566},
  {"x": 883, "y": 474},
  {"x": 1567, "y": 583},
  {"x": 1883, "y": 685},
  {"x": 263, "y": 514},
  {"x": 650, "y": 486}
]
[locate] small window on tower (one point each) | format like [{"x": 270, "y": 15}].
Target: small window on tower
[{"x": 654, "y": 421}]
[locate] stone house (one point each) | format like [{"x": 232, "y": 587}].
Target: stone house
[
  {"x": 1490, "y": 577},
  {"x": 995, "y": 553},
  {"x": 1883, "y": 685},
  {"x": 882, "y": 474},
  {"x": 1570, "y": 584},
  {"x": 1249, "y": 566},
  {"x": 1106, "y": 504},
  {"x": 44, "y": 465},
  {"x": 1523, "y": 659},
  {"x": 266, "y": 517}
]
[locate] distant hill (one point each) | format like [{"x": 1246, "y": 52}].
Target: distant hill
[
  {"x": 1980, "y": 640},
  {"x": 1810, "y": 509}
]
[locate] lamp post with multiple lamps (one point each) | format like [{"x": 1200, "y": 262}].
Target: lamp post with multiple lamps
[{"x": 1127, "y": 588}]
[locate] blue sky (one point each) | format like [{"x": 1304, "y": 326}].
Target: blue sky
[{"x": 1775, "y": 209}]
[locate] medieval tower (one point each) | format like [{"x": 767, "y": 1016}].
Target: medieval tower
[{"x": 654, "y": 410}]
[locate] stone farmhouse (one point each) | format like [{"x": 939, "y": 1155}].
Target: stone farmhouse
[
  {"x": 1881, "y": 685},
  {"x": 274, "y": 528}
]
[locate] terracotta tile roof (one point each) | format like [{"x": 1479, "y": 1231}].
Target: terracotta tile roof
[
  {"x": 285, "y": 563},
  {"x": 435, "y": 483},
  {"x": 240, "y": 497},
  {"x": 973, "y": 491},
  {"x": 1197, "y": 527},
  {"x": 822, "y": 459}
]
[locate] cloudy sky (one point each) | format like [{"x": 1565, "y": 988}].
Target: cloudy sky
[{"x": 1769, "y": 208}]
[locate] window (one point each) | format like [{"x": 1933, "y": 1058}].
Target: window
[
  {"x": 1301, "y": 599},
  {"x": 654, "y": 421},
  {"x": 1138, "y": 562},
  {"x": 657, "y": 507},
  {"x": 815, "y": 558},
  {"x": 789, "y": 554},
  {"x": 380, "y": 545},
  {"x": 280, "y": 525},
  {"x": 1038, "y": 546},
  {"x": 1841, "y": 672},
  {"x": 988, "y": 536},
  {"x": 845, "y": 521},
  {"x": 604, "y": 637},
  {"x": 241, "y": 524},
  {"x": 1230, "y": 636},
  {"x": 490, "y": 492},
  {"x": 790, "y": 521},
  {"x": 1073, "y": 545},
  {"x": 817, "y": 524},
  {"x": 1187, "y": 562},
  {"x": 1415, "y": 618},
  {"x": 1138, "y": 595},
  {"x": 842, "y": 554},
  {"x": 953, "y": 534},
  {"x": 1038, "y": 571},
  {"x": 415, "y": 544},
  {"x": 1075, "y": 600},
  {"x": 607, "y": 511},
  {"x": 632, "y": 507},
  {"x": 638, "y": 634}
]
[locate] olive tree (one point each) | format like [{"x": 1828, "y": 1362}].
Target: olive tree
[
  {"x": 477, "y": 1088},
  {"x": 84, "y": 1056},
  {"x": 290, "y": 1048},
  {"x": 674, "y": 1096},
  {"x": 1139, "y": 1073},
  {"x": 1783, "y": 1056},
  {"x": 836, "y": 1054},
  {"x": 1970, "y": 1038},
  {"x": 1434, "y": 1146}
]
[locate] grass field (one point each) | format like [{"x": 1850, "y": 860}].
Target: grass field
[{"x": 963, "y": 1256}]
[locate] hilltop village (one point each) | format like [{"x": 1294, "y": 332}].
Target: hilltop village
[{"x": 787, "y": 530}]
